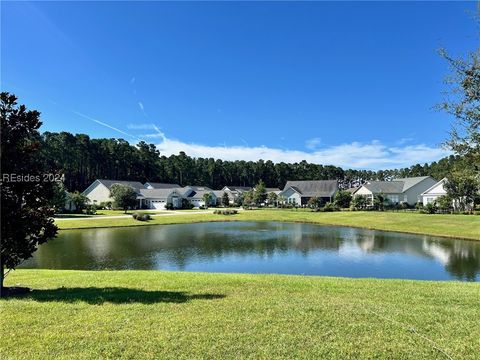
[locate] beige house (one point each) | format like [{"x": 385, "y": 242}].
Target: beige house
[
  {"x": 99, "y": 190},
  {"x": 151, "y": 195}
]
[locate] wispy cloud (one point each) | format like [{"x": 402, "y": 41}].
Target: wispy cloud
[
  {"x": 370, "y": 155},
  {"x": 105, "y": 124},
  {"x": 313, "y": 143}
]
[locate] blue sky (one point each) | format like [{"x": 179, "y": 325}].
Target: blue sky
[{"x": 349, "y": 84}]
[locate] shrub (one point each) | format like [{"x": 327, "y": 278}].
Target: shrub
[
  {"x": 105, "y": 205},
  {"x": 226, "y": 212},
  {"x": 430, "y": 208},
  {"x": 202, "y": 207},
  {"x": 169, "y": 206},
  {"x": 329, "y": 207},
  {"x": 141, "y": 217},
  {"x": 91, "y": 209},
  {"x": 404, "y": 205}
]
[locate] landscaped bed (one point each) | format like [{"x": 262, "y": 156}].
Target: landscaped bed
[
  {"x": 457, "y": 226},
  {"x": 154, "y": 315}
]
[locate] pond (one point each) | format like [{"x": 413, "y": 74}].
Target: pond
[{"x": 263, "y": 247}]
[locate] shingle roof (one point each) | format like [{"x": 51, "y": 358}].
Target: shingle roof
[
  {"x": 396, "y": 186},
  {"x": 199, "y": 188},
  {"x": 157, "y": 193},
  {"x": 318, "y": 188},
  {"x": 199, "y": 194},
  {"x": 134, "y": 184},
  {"x": 156, "y": 185},
  {"x": 386, "y": 187},
  {"x": 412, "y": 181},
  {"x": 238, "y": 188}
]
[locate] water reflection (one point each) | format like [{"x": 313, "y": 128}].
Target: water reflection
[{"x": 264, "y": 247}]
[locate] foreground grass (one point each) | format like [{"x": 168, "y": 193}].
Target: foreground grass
[
  {"x": 459, "y": 226},
  {"x": 153, "y": 315}
]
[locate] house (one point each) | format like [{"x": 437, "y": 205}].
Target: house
[
  {"x": 274, "y": 190},
  {"x": 352, "y": 190},
  {"x": 159, "y": 198},
  {"x": 151, "y": 195},
  {"x": 299, "y": 192},
  {"x": 402, "y": 190},
  {"x": 434, "y": 192},
  {"x": 234, "y": 192},
  {"x": 196, "y": 197},
  {"x": 99, "y": 190},
  {"x": 155, "y": 185}
]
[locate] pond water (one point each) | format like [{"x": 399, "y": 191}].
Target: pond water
[{"x": 263, "y": 247}]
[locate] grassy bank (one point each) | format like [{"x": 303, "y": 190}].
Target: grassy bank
[
  {"x": 464, "y": 226},
  {"x": 152, "y": 315}
]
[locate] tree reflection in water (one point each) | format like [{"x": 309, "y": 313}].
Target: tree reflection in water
[{"x": 263, "y": 247}]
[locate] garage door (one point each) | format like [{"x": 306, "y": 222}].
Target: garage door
[{"x": 158, "y": 205}]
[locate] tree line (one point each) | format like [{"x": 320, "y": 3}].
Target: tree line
[{"x": 83, "y": 159}]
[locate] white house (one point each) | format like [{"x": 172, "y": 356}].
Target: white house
[
  {"x": 233, "y": 192},
  {"x": 299, "y": 192},
  {"x": 159, "y": 198},
  {"x": 433, "y": 193},
  {"x": 151, "y": 195},
  {"x": 405, "y": 190},
  {"x": 99, "y": 190}
]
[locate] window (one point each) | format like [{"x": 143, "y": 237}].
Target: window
[
  {"x": 393, "y": 199},
  {"x": 430, "y": 200}
]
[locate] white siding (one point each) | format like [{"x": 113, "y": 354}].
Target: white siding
[
  {"x": 434, "y": 193},
  {"x": 292, "y": 197},
  {"x": 414, "y": 193},
  {"x": 97, "y": 193}
]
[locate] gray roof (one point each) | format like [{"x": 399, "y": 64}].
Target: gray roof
[
  {"x": 318, "y": 188},
  {"x": 275, "y": 190},
  {"x": 396, "y": 186},
  {"x": 199, "y": 194},
  {"x": 238, "y": 188},
  {"x": 156, "y": 185},
  {"x": 412, "y": 181},
  {"x": 157, "y": 193},
  {"x": 386, "y": 187},
  {"x": 134, "y": 184},
  {"x": 199, "y": 188}
]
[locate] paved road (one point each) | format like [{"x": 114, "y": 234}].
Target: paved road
[{"x": 166, "y": 213}]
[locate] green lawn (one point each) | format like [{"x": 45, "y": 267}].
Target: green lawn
[
  {"x": 157, "y": 315},
  {"x": 464, "y": 226},
  {"x": 100, "y": 213}
]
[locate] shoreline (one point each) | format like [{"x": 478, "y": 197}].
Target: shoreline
[{"x": 273, "y": 219}]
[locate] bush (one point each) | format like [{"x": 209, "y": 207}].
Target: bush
[
  {"x": 91, "y": 209},
  {"x": 105, "y": 205},
  {"x": 169, "y": 206},
  {"x": 430, "y": 208},
  {"x": 145, "y": 217},
  {"x": 226, "y": 212},
  {"x": 404, "y": 205},
  {"x": 329, "y": 207},
  {"x": 141, "y": 217},
  {"x": 202, "y": 207}
]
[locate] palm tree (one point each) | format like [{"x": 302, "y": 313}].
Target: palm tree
[{"x": 207, "y": 198}]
